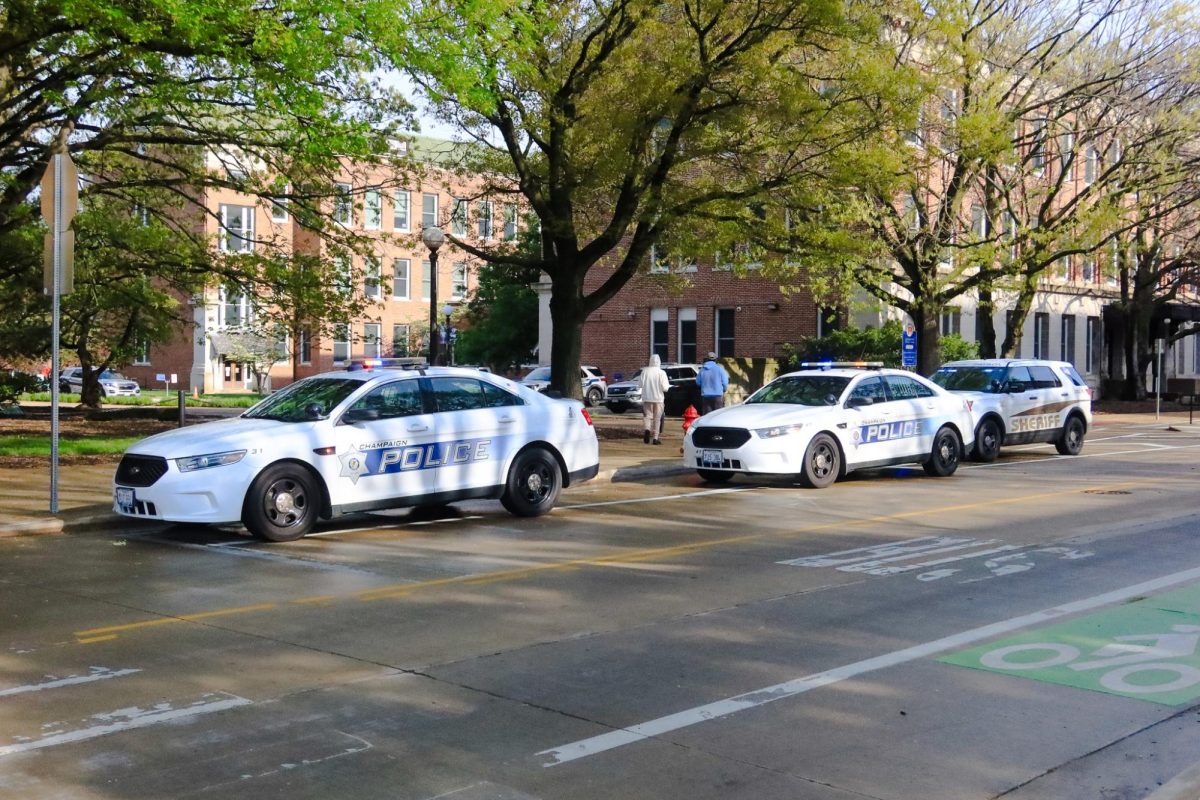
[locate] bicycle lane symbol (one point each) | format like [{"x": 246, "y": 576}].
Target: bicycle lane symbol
[{"x": 1140, "y": 651}]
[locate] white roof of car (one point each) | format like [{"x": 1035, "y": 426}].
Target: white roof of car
[{"x": 1002, "y": 362}]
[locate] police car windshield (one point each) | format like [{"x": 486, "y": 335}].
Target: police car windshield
[
  {"x": 803, "y": 390},
  {"x": 539, "y": 374},
  {"x": 291, "y": 403},
  {"x": 971, "y": 379}
]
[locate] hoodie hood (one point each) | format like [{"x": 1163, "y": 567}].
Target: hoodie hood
[{"x": 655, "y": 361}]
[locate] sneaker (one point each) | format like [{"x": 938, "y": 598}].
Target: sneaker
[
  {"x": 646, "y": 437},
  {"x": 658, "y": 441}
]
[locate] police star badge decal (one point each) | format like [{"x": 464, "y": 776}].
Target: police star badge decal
[{"x": 354, "y": 465}]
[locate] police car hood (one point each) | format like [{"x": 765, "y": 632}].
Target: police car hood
[
  {"x": 761, "y": 415},
  {"x": 239, "y": 433}
]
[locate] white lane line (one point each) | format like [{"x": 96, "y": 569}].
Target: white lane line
[
  {"x": 132, "y": 718},
  {"x": 1081, "y": 455},
  {"x": 780, "y": 691},
  {"x": 660, "y": 498},
  {"x": 870, "y": 552},
  {"x": 97, "y": 674}
]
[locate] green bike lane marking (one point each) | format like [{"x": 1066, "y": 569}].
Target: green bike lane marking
[{"x": 1145, "y": 650}]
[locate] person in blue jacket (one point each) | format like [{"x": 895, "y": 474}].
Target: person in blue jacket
[{"x": 713, "y": 380}]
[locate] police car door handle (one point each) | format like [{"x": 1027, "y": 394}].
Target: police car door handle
[
  {"x": 507, "y": 420},
  {"x": 417, "y": 428},
  {"x": 1064, "y": 394}
]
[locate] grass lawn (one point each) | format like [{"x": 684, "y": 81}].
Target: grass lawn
[
  {"x": 158, "y": 398},
  {"x": 39, "y": 446}
]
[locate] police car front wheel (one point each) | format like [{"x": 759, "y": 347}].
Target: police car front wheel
[
  {"x": 534, "y": 481},
  {"x": 822, "y": 462},
  {"x": 282, "y": 504},
  {"x": 947, "y": 449}
]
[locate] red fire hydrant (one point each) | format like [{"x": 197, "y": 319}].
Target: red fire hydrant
[{"x": 690, "y": 415}]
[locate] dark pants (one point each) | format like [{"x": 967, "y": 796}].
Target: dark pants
[{"x": 708, "y": 404}]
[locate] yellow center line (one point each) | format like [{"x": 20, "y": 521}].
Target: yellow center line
[{"x": 404, "y": 589}]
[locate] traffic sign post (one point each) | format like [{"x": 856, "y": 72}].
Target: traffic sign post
[
  {"x": 60, "y": 199},
  {"x": 908, "y": 346}
]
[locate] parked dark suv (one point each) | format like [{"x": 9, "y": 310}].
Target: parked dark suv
[{"x": 684, "y": 391}]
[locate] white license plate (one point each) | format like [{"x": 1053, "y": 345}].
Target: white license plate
[
  {"x": 710, "y": 458},
  {"x": 125, "y": 499}
]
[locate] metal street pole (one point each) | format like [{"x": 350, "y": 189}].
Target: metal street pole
[
  {"x": 433, "y": 238},
  {"x": 60, "y": 198},
  {"x": 55, "y": 320}
]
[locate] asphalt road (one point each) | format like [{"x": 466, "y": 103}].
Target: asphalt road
[{"x": 894, "y": 636}]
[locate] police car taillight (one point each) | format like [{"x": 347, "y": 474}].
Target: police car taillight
[{"x": 586, "y": 415}]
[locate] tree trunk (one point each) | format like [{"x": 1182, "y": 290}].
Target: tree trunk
[
  {"x": 566, "y": 346},
  {"x": 89, "y": 393},
  {"x": 985, "y": 325},
  {"x": 1015, "y": 329},
  {"x": 929, "y": 338}
]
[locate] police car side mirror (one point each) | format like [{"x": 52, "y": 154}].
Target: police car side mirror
[
  {"x": 313, "y": 410},
  {"x": 859, "y": 402},
  {"x": 360, "y": 415}
]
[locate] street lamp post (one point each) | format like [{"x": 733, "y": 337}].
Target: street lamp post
[
  {"x": 433, "y": 238},
  {"x": 447, "y": 310}
]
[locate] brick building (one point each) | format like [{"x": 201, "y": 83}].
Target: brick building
[{"x": 396, "y": 276}]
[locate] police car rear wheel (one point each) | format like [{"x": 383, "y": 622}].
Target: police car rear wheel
[
  {"x": 281, "y": 505},
  {"x": 534, "y": 481},
  {"x": 714, "y": 476},
  {"x": 987, "y": 441},
  {"x": 822, "y": 462},
  {"x": 593, "y": 397},
  {"x": 1071, "y": 441},
  {"x": 947, "y": 449}
]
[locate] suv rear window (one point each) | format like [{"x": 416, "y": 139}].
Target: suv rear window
[
  {"x": 1073, "y": 375},
  {"x": 1044, "y": 378}
]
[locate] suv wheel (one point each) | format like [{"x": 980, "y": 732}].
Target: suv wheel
[
  {"x": 593, "y": 397},
  {"x": 987, "y": 441},
  {"x": 1071, "y": 441}
]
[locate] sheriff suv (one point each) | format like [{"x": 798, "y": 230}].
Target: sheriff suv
[
  {"x": 1019, "y": 401},
  {"x": 683, "y": 392}
]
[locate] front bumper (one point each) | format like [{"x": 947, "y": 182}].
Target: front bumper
[
  {"x": 205, "y": 496},
  {"x": 783, "y": 455}
]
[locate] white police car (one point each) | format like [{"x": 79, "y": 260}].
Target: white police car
[
  {"x": 356, "y": 441},
  {"x": 821, "y": 424},
  {"x": 1018, "y": 401},
  {"x": 591, "y": 378}
]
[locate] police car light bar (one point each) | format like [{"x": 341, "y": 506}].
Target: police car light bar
[{"x": 842, "y": 364}]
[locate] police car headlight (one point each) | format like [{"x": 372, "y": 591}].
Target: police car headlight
[
  {"x": 193, "y": 463},
  {"x": 778, "y": 430}
]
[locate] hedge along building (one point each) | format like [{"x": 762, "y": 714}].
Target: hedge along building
[{"x": 386, "y": 211}]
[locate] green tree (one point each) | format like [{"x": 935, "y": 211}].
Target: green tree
[
  {"x": 880, "y": 345},
  {"x": 626, "y": 123},
  {"x": 500, "y": 323}
]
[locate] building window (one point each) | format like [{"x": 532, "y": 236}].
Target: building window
[
  {"x": 237, "y": 229},
  {"x": 1067, "y": 343},
  {"x": 142, "y": 358},
  {"x": 400, "y": 278},
  {"x": 341, "y": 343},
  {"x": 687, "y": 335},
  {"x": 659, "y": 332},
  {"x": 342, "y": 275},
  {"x": 343, "y": 206},
  {"x": 916, "y": 136},
  {"x": 373, "y": 274},
  {"x": 1092, "y": 345},
  {"x": 1066, "y": 155},
  {"x": 373, "y": 210},
  {"x": 234, "y": 309},
  {"x": 486, "y": 209},
  {"x": 725, "y": 332},
  {"x": 1037, "y": 150},
  {"x": 658, "y": 265},
  {"x": 458, "y": 281},
  {"x": 510, "y": 222},
  {"x": 279, "y": 202},
  {"x": 1041, "y": 335},
  {"x": 827, "y": 321},
  {"x": 951, "y": 322},
  {"x": 304, "y": 346},
  {"x": 979, "y": 222},
  {"x": 400, "y": 211},
  {"x": 429, "y": 210},
  {"x": 426, "y": 279},
  {"x": 1091, "y": 165},
  {"x": 372, "y": 343},
  {"x": 458, "y": 216},
  {"x": 399, "y": 341}
]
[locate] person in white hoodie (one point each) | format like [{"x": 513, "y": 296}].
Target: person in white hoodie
[{"x": 654, "y": 385}]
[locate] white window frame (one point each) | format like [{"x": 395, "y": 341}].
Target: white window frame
[
  {"x": 372, "y": 339},
  {"x": 661, "y": 315},
  {"x": 406, "y": 338},
  {"x": 341, "y": 338},
  {"x": 373, "y": 209},
  {"x": 401, "y": 211},
  {"x": 717, "y": 338},
  {"x": 426, "y": 275},
  {"x": 487, "y": 209},
  {"x": 460, "y": 214},
  {"x": 458, "y": 280},
  {"x": 686, "y": 315},
  {"x": 142, "y": 359},
  {"x": 279, "y": 205},
  {"x": 343, "y": 204},
  {"x": 343, "y": 275},
  {"x": 224, "y": 300},
  {"x": 429, "y": 218},
  {"x": 510, "y": 222},
  {"x": 401, "y": 277},
  {"x": 373, "y": 277},
  {"x": 304, "y": 346},
  {"x": 243, "y": 234}
]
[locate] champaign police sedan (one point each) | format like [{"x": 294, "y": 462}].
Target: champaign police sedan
[
  {"x": 820, "y": 424},
  {"x": 356, "y": 441}
]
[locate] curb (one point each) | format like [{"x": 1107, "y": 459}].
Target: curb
[
  {"x": 626, "y": 474},
  {"x": 45, "y": 526},
  {"x": 1184, "y": 786}
]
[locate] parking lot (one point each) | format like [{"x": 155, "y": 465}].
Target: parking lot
[{"x": 893, "y": 636}]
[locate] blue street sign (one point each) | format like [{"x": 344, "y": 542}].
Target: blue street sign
[{"x": 908, "y": 346}]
